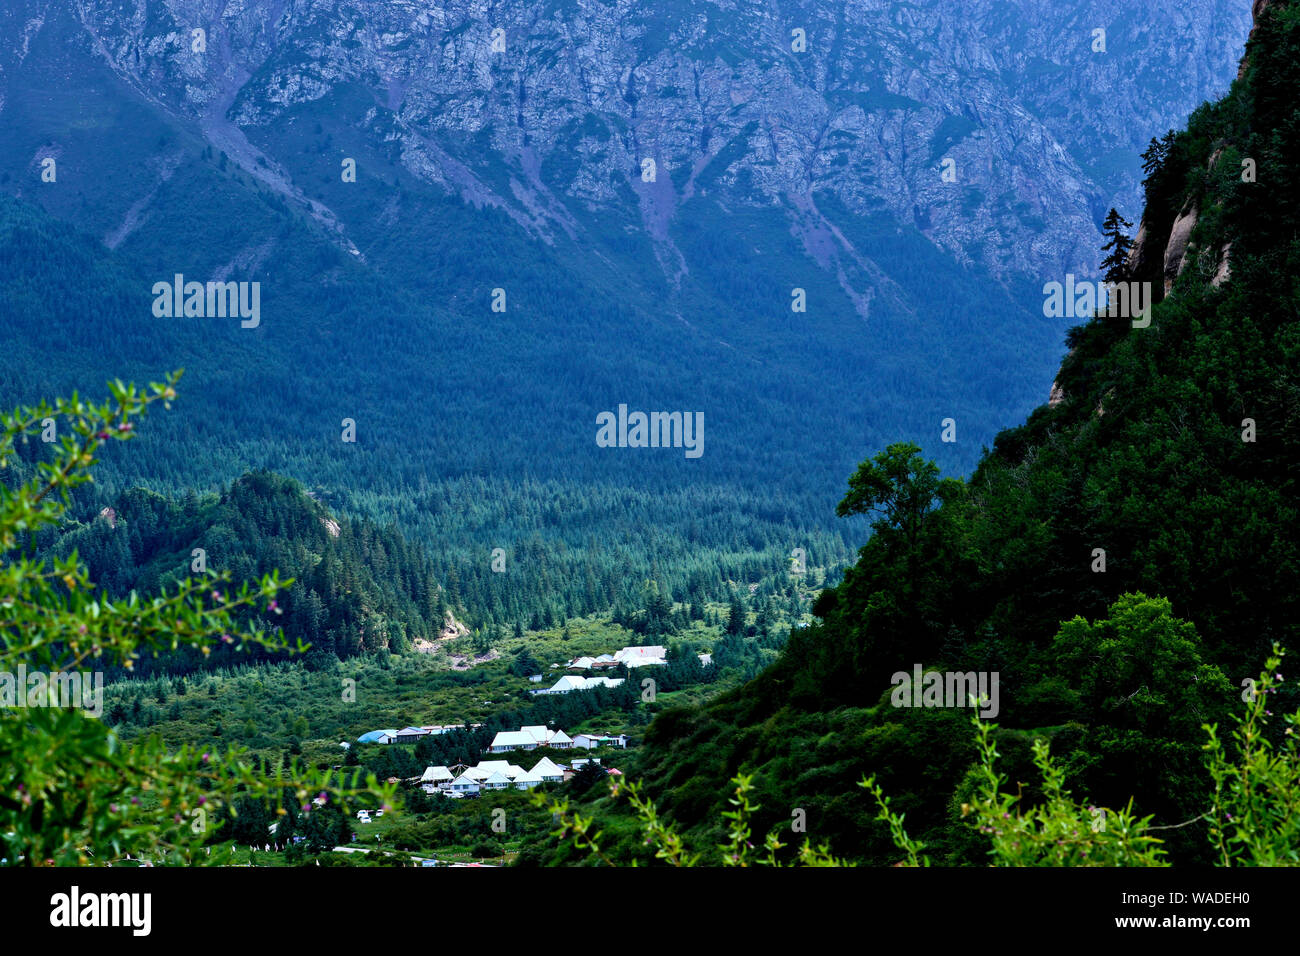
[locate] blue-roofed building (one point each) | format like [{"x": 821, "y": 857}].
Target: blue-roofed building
[{"x": 378, "y": 737}]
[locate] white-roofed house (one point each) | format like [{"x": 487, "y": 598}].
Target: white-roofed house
[
  {"x": 537, "y": 732},
  {"x": 527, "y": 780},
  {"x": 512, "y": 740},
  {"x": 565, "y": 684},
  {"x": 548, "y": 770},
  {"x": 560, "y": 740},
  {"x": 495, "y": 781},
  {"x": 571, "y": 682},
  {"x": 642, "y": 656},
  {"x": 463, "y": 786},
  {"x": 592, "y": 741},
  {"x": 500, "y": 766},
  {"x": 434, "y": 776}
]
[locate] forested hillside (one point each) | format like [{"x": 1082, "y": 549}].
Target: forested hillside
[
  {"x": 357, "y": 587},
  {"x": 1174, "y": 449}
]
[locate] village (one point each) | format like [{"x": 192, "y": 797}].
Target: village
[
  {"x": 462, "y": 780},
  {"x": 504, "y": 766}
]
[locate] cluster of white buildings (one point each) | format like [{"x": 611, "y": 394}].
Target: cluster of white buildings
[
  {"x": 491, "y": 775},
  {"x": 530, "y": 738},
  {"x": 629, "y": 657}
]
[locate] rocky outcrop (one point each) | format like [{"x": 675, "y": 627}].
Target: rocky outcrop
[
  {"x": 1224, "y": 270},
  {"x": 1177, "y": 245},
  {"x": 549, "y": 111}
]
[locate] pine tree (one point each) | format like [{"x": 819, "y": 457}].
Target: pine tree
[
  {"x": 1118, "y": 246},
  {"x": 736, "y": 616}
]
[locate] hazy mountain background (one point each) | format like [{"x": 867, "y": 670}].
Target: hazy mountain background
[{"x": 523, "y": 170}]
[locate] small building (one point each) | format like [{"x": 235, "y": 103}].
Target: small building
[
  {"x": 463, "y": 786},
  {"x": 548, "y": 770},
  {"x": 512, "y": 740},
  {"x": 378, "y": 737},
  {"x": 500, "y": 766},
  {"x": 571, "y": 682},
  {"x": 409, "y": 735},
  {"x": 642, "y": 656},
  {"x": 436, "y": 776},
  {"x": 527, "y": 780}
]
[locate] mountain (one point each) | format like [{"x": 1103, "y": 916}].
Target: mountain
[
  {"x": 1121, "y": 560},
  {"x": 789, "y": 169}
]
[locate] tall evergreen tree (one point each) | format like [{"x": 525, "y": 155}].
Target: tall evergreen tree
[{"x": 1118, "y": 246}]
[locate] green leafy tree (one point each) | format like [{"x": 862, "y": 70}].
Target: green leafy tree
[
  {"x": 1255, "y": 811},
  {"x": 77, "y": 794}
]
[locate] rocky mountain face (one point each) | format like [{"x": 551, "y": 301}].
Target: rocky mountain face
[{"x": 547, "y": 110}]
